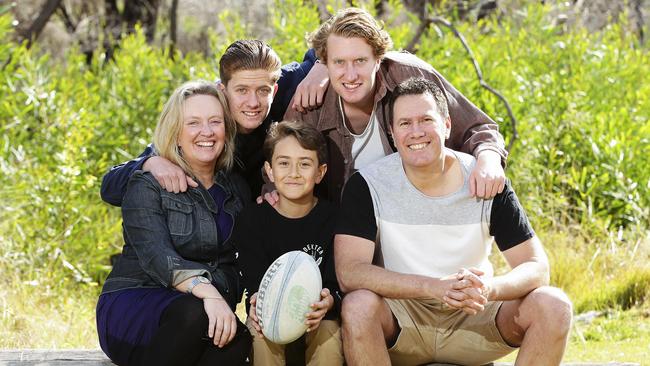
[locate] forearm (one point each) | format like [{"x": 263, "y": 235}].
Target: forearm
[
  {"x": 519, "y": 281},
  {"x": 493, "y": 155},
  {"x": 115, "y": 180},
  {"x": 354, "y": 270},
  {"x": 294, "y": 115},
  {"x": 292, "y": 75},
  {"x": 387, "y": 283},
  {"x": 179, "y": 276},
  {"x": 487, "y": 142}
]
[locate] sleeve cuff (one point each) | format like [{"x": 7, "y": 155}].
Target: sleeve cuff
[
  {"x": 310, "y": 55},
  {"x": 143, "y": 158},
  {"x": 488, "y": 147},
  {"x": 181, "y": 275},
  {"x": 140, "y": 163}
]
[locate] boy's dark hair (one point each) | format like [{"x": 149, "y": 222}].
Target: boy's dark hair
[
  {"x": 308, "y": 137},
  {"x": 417, "y": 86},
  {"x": 248, "y": 54}
]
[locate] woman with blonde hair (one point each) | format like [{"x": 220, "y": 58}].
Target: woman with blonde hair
[{"x": 170, "y": 297}]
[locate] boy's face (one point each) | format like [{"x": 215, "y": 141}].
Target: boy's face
[
  {"x": 352, "y": 68},
  {"x": 294, "y": 170},
  {"x": 250, "y": 94}
]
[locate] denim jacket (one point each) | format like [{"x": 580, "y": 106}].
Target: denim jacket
[{"x": 169, "y": 237}]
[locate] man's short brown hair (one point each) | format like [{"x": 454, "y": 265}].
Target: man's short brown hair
[
  {"x": 351, "y": 23},
  {"x": 307, "y": 135},
  {"x": 249, "y": 54},
  {"x": 417, "y": 86}
]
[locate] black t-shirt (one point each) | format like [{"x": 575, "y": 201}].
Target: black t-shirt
[
  {"x": 508, "y": 222},
  {"x": 261, "y": 235},
  {"x": 249, "y": 157}
]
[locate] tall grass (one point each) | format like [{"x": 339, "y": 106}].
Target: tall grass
[{"x": 579, "y": 166}]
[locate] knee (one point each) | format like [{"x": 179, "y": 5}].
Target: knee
[
  {"x": 189, "y": 314},
  {"x": 360, "y": 307},
  {"x": 553, "y": 308},
  {"x": 240, "y": 346}
]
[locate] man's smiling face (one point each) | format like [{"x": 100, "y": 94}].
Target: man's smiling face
[
  {"x": 250, "y": 94},
  {"x": 419, "y": 131},
  {"x": 352, "y": 68}
]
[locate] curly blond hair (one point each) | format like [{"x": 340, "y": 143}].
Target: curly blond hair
[{"x": 350, "y": 23}]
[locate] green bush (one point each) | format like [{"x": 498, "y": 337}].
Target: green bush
[
  {"x": 64, "y": 125},
  {"x": 582, "y": 115}
]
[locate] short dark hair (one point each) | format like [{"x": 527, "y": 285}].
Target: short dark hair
[
  {"x": 308, "y": 137},
  {"x": 249, "y": 54},
  {"x": 417, "y": 86}
]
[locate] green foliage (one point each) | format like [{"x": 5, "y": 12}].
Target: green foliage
[
  {"x": 579, "y": 166},
  {"x": 292, "y": 21},
  {"x": 614, "y": 273},
  {"x": 582, "y": 111},
  {"x": 611, "y": 336},
  {"x": 236, "y": 30},
  {"x": 63, "y": 126},
  {"x": 608, "y": 327},
  {"x": 632, "y": 289}
]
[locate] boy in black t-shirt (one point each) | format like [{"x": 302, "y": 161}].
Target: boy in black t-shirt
[{"x": 295, "y": 162}]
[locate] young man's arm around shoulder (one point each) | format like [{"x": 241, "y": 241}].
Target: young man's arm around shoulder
[{"x": 169, "y": 175}]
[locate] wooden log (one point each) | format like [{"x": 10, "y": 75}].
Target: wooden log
[
  {"x": 44, "y": 357},
  {"x": 89, "y": 357}
]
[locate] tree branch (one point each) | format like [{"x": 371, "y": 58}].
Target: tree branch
[
  {"x": 172, "y": 27},
  {"x": 425, "y": 24},
  {"x": 37, "y": 26},
  {"x": 638, "y": 17},
  {"x": 379, "y": 8},
  {"x": 67, "y": 20},
  {"x": 143, "y": 11},
  {"x": 323, "y": 14}
]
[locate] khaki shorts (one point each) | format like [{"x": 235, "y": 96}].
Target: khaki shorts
[
  {"x": 432, "y": 331},
  {"x": 323, "y": 347}
]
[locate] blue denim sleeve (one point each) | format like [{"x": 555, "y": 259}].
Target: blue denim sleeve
[
  {"x": 292, "y": 75},
  {"x": 115, "y": 180},
  {"x": 145, "y": 228}
]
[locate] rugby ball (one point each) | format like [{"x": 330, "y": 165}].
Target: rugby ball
[{"x": 290, "y": 285}]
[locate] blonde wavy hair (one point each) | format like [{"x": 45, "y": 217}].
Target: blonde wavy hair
[
  {"x": 170, "y": 124},
  {"x": 352, "y": 23}
]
